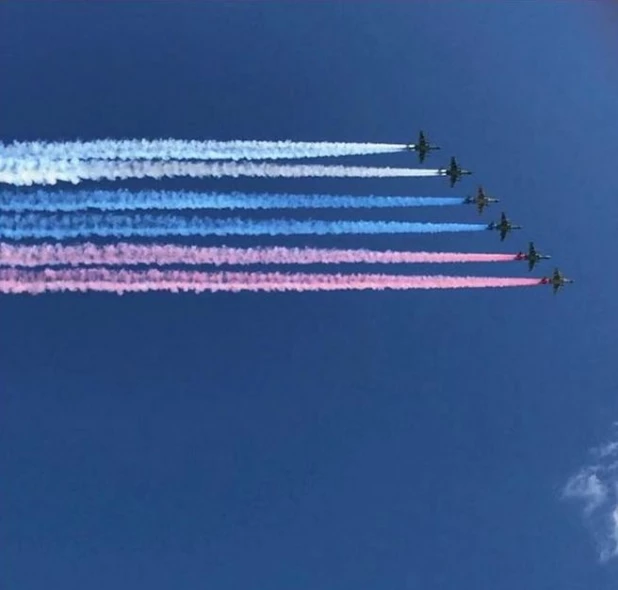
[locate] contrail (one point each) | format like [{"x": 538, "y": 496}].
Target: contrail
[
  {"x": 64, "y": 226},
  {"x": 178, "y": 149},
  {"x": 125, "y": 281},
  {"x": 124, "y": 254},
  {"x": 41, "y": 171},
  {"x": 67, "y": 201}
]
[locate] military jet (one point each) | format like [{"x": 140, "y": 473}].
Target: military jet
[
  {"x": 532, "y": 256},
  {"x": 454, "y": 172},
  {"x": 557, "y": 280},
  {"x": 422, "y": 146},
  {"x": 504, "y": 226},
  {"x": 481, "y": 200}
]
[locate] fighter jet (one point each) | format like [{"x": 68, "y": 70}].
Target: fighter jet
[
  {"x": 481, "y": 200},
  {"x": 532, "y": 256},
  {"x": 504, "y": 226},
  {"x": 454, "y": 172},
  {"x": 557, "y": 280},
  {"x": 422, "y": 146}
]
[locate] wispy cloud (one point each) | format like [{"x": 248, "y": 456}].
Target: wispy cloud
[{"x": 596, "y": 487}]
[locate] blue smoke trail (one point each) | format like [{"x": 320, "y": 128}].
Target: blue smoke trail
[
  {"x": 59, "y": 227},
  {"x": 66, "y": 201}
]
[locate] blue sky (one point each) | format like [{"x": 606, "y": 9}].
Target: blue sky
[{"x": 349, "y": 441}]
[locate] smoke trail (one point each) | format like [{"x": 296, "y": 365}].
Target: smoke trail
[
  {"x": 33, "y": 171},
  {"x": 64, "y": 226},
  {"x": 67, "y": 201},
  {"x": 178, "y": 149},
  {"x": 123, "y": 281},
  {"x": 124, "y": 254}
]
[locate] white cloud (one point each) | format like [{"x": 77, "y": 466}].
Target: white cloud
[
  {"x": 596, "y": 486},
  {"x": 611, "y": 549},
  {"x": 607, "y": 450},
  {"x": 588, "y": 487}
]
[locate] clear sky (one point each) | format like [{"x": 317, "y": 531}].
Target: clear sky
[{"x": 343, "y": 441}]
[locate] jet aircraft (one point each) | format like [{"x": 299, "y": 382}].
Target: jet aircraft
[
  {"x": 422, "y": 146},
  {"x": 532, "y": 256},
  {"x": 504, "y": 226},
  {"x": 481, "y": 200},
  {"x": 454, "y": 172},
  {"x": 557, "y": 280}
]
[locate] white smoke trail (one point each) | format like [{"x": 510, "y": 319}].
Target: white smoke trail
[
  {"x": 29, "y": 172},
  {"x": 178, "y": 149}
]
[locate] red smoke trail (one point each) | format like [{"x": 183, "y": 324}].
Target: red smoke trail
[
  {"x": 124, "y": 254},
  {"x": 124, "y": 281}
]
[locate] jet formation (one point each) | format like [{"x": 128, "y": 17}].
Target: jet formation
[{"x": 482, "y": 200}]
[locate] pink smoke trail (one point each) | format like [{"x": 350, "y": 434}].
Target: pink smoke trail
[
  {"x": 124, "y": 254},
  {"x": 125, "y": 281}
]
